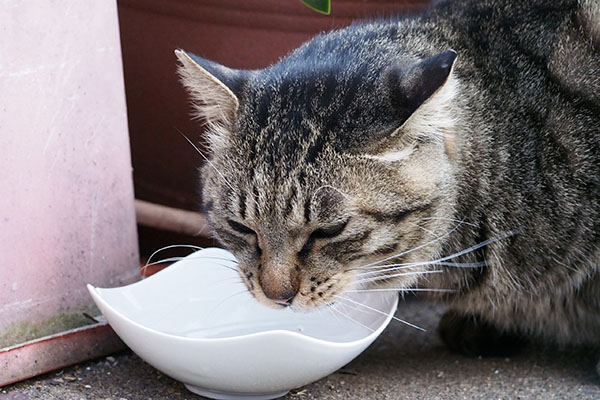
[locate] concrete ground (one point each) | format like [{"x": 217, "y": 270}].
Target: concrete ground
[{"x": 402, "y": 364}]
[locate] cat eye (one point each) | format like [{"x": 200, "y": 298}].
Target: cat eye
[
  {"x": 325, "y": 232},
  {"x": 329, "y": 231},
  {"x": 236, "y": 226}
]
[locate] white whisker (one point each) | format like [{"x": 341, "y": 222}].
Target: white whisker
[
  {"x": 352, "y": 319},
  {"x": 328, "y": 308},
  {"x": 478, "y": 264},
  {"x": 402, "y": 290},
  {"x": 353, "y": 307},
  {"x": 174, "y": 259},
  {"x": 390, "y": 276},
  {"x": 164, "y": 260},
  {"x": 382, "y": 313},
  {"x": 451, "y": 256},
  {"x": 181, "y": 259},
  {"x": 424, "y": 229},
  {"x": 228, "y": 298},
  {"x": 190, "y": 246},
  {"x": 438, "y": 238},
  {"x": 449, "y": 219},
  {"x": 480, "y": 245},
  {"x": 394, "y": 267},
  {"x": 234, "y": 278},
  {"x": 207, "y": 160}
]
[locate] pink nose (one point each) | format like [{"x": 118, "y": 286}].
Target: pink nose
[{"x": 283, "y": 301}]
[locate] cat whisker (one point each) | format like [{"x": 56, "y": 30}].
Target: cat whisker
[
  {"x": 478, "y": 264},
  {"x": 227, "y": 266},
  {"x": 481, "y": 244},
  {"x": 384, "y": 276},
  {"x": 449, "y": 219},
  {"x": 382, "y": 271},
  {"x": 351, "y": 319},
  {"x": 438, "y": 238},
  {"x": 381, "y": 312},
  {"x": 164, "y": 260},
  {"x": 380, "y": 274},
  {"x": 352, "y": 307},
  {"x": 175, "y": 259},
  {"x": 173, "y": 246},
  {"x": 424, "y": 229},
  {"x": 207, "y": 160},
  {"x": 395, "y": 267},
  {"x": 172, "y": 259},
  {"x": 329, "y": 308},
  {"x": 407, "y": 290},
  {"x": 219, "y": 258},
  {"x": 451, "y": 256},
  {"x": 234, "y": 278},
  {"x": 229, "y": 298}
]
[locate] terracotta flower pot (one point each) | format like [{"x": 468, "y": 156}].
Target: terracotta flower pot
[{"x": 240, "y": 34}]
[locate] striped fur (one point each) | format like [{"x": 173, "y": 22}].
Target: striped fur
[{"x": 380, "y": 127}]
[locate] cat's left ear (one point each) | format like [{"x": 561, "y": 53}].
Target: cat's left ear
[
  {"x": 213, "y": 88},
  {"x": 412, "y": 88}
]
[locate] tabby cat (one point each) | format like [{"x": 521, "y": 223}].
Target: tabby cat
[{"x": 465, "y": 139}]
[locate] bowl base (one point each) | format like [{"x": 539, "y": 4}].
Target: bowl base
[{"x": 215, "y": 394}]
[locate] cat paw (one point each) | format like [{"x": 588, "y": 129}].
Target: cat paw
[{"x": 472, "y": 336}]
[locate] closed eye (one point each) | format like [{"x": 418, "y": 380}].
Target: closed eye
[
  {"x": 329, "y": 231},
  {"x": 241, "y": 228},
  {"x": 326, "y": 232}
]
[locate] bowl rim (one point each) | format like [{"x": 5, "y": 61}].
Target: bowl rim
[{"x": 95, "y": 293}]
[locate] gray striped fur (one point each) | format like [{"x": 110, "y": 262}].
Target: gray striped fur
[{"x": 509, "y": 142}]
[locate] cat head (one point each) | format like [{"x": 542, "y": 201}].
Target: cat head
[{"x": 321, "y": 166}]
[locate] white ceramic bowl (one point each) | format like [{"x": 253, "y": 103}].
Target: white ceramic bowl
[{"x": 195, "y": 322}]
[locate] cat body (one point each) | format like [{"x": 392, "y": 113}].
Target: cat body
[{"x": 372, "y": 156}]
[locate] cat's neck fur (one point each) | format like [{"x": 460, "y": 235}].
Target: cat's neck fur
[{"x": 525, "y": 161}]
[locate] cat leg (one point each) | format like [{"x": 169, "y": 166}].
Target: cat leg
[{"x": 472, "y": 336}]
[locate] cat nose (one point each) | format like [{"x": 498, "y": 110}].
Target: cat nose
[
  {"x": 281, "y": 289},
  {"x": 279, "y": 280},
  {"x": 282, "y": 298}
]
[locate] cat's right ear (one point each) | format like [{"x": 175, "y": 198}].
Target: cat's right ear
[
  {"x": 413, "y": 87},
  {"x": 212, "y": 87}
]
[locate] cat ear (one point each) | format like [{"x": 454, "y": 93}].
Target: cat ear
[
  {"x": 211, "y": 86},
  {"x": 413, "y": 88}
]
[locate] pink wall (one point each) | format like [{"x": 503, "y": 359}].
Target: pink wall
[{"x": 66, "y": 197}]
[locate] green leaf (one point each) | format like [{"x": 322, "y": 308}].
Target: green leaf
[{"x": 322, "y": 6}]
